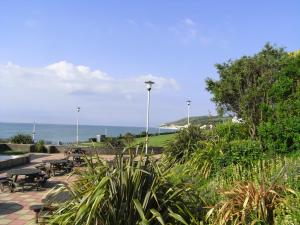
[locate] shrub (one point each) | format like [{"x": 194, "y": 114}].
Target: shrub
[
  {"x": 242, "y": 152},
  {"x": 3, "y": 140},
  {"x": 184, "y": 144},
  {"x": 92, "y": 139},
  {"x": 265, "y": 193},
  {"x": 40, "y": 146},
  {"x": 128, "y": 139},
  {"x": 213, "y": 156},
  {"x": 22, "y": 139},
  {"x": 114, "y": 142},
  {"x": 282, "y": 135},
  {"x": 130, "y": 192},
  {"x": 247, "y": 203},
  {"x": 229, "y": 131}
]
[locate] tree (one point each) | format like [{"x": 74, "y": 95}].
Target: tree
[
  {"x": 243, "y": 85},
  {"x": 280, "y": 131}
]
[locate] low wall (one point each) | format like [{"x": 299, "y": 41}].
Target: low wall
[
  {"x": 61, "y": 148},
  {"x": 106, "y": 150},
  {"x": 9, "y": 163},
  {"x": 16, "y": 147}
]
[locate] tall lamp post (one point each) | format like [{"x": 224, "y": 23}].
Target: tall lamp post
[
  {"x": 33, "y": 132},
  {"x": 188, "y": 110},
  {"x": 149, "y": 86},
  {"x": 77, "y": 123}
]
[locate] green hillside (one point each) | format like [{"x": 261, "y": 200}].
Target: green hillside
[{"x": 198, "y": 120}]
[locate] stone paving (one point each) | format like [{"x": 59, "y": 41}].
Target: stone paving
[{"x": 14, "y": 207}]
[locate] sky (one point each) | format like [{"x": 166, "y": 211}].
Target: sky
[{"x": 57, "y": 55}]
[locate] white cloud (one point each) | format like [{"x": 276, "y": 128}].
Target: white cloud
[
  {"x": 67, "y": 78},
  {"x": 189, "y": 22},
  {"x": 187, "y": 31}
]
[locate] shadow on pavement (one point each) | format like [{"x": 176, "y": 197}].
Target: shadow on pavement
[{"x": 9, "y": 207}]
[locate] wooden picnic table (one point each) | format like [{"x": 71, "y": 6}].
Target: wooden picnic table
[
  {"x": 57, "y": 164},
  {"x": 30, "y": 177}
]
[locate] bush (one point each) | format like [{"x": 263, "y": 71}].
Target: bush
[
  {"x": 247, "y": 203},
  {"x": 40, "y": 146},
  {"x": 282, "y": 135},
  {"x": 114, "y": 142},
  {"x": 229, "y": 131},
  {"x": 22, "y": 139},
  {"x": 92, "y": 139},
  {"x": 128, "y": 139},
  {"x": 130, "y": 192},
  {"x": 212, "y": 156},
  {"x": 184, "y": 144},
  {"x": 3, "y": 140},
  {"x": 242, "y": 152}
]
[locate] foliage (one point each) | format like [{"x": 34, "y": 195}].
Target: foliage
[
  {"x": 212, "y": 156},
  {"x": 184, "y": 144},
  {"x": 280, "y": 131},
  {"x": 21, "y": 139},
  {"x": 3, "y": 140},
  {"x": 261, "y": 194},
  {"x": 40, "y": 146},
  {"x": 230, "y": 131},
  {"x": 114, "y": 142},
  {"x": 243, "y": 85},
  {"x": 128, "y": 139},
  {"x": 247, "y": 203},
  {"x": 130, "y": 192},
  {"x": 92, "y": 139}
]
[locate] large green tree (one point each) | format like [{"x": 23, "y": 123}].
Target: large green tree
[
  {"x": 280, "y": 131},
  {"x": 242, "y": 89}
]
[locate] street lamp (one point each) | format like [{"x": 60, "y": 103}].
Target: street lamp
[
  {"x": 77, "y": 123},
  {"x": 149, "y": 86},
  {"x": 33, "y": 132},
  {"x": 188, "y": 109}
]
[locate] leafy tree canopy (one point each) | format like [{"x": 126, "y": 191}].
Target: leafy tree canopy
[{"x": 244, "y": 83}]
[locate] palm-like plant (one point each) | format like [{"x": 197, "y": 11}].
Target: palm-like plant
[
  {"x": 247, "y": 203},
  {"x": 255, "y": 196},
  {"x": 128, "y": 192}
]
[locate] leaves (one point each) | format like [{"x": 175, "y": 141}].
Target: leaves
[{"x": 131, "y": 191}]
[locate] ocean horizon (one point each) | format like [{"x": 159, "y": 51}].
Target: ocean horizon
[{"x": 66, "y": 133}]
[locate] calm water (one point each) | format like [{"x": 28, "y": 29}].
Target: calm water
[{"x": 67, "y": 133}]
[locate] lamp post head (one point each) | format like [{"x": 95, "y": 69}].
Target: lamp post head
[
  {"x": 78, "y": 109},
  {"x": 188, "y": 102},
  {"x": 149, "y": 84}
]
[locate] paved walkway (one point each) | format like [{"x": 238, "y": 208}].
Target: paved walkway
[{"x": 14, "y": 207}]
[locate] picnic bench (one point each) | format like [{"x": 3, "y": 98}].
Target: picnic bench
[
  {"x": 58, "y": 165},
  {"x": 31, "y": 177}
]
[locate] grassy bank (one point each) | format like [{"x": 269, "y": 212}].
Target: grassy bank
[{"x": 156, "y": 141}]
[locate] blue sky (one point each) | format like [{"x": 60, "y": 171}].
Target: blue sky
[{"x": 56, "y": 55}]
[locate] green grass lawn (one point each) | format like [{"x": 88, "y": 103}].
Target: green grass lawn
[{"x": 156, "y": 141}]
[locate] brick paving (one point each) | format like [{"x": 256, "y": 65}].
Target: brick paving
[{"x": 14, "y": 207}]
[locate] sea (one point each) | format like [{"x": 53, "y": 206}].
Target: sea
[{"x": 61, "y": 133}]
